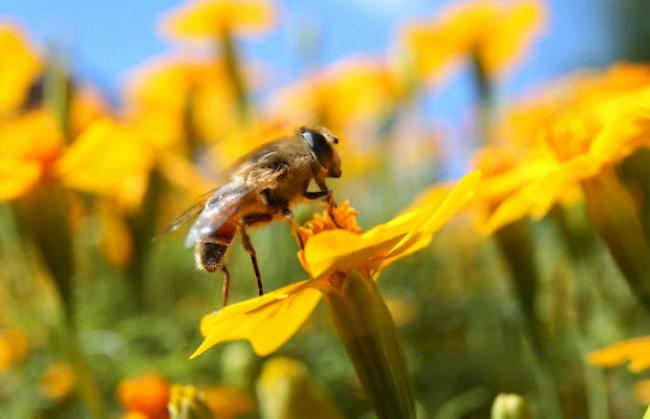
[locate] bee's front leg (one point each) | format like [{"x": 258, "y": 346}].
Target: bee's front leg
[
  {"x": 329, "y": 198},
  {"x": 248, "y": 245}
]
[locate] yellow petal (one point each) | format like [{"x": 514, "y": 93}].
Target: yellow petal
[
  {"x": 540, "y": 195},
  {"x": 20, "y": 67},
  {"x": 403, "y": 235},
  {"x": 208, "y": 19},
  {"x": 627, "y": 130},
  {"x": 342, "y": 250},
  {"x": 107, "y": 159},
  {"x": 17, "y": 177},
  {"x": 267, "y": 322},
  {"x": 636, "y": 350},
  {"x": 434, "y": 217}
]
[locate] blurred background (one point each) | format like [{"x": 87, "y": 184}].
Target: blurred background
[{"x": 115, "y": 116}]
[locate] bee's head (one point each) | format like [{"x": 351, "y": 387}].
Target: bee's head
[{"x": 321, "y": 142}]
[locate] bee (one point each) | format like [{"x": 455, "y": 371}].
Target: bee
[{"x": 263, "y": 186}]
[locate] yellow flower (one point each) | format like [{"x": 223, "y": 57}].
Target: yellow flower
[
  {"x": 636, "y": 351},
  {"x": 29, "y": 146},
  {"x": 173, "y": 98},
  {"x": 209, "y": 19},
  {"x": 352, "y": 96},
  {"x": 352, "y": 90},
  {"x": 20, "y": 68},
  {"x": 583, "y": 144},
  {"x": 495, "y": 32},
  {"x": 57, "y": 382},
  {"x": 286, "y": 391},
  {"x": 147, "y": 394},
  {"x": 270, "y": 320},
  {"x": 106, "y": 159}
]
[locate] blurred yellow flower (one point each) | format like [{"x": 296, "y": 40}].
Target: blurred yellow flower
[
  {"x": 495, "y": 32},
  {"x": 13, "y": 348},
  {"x": 106, "y": 159},
  {"x": 584, "y": 144},
  {"x": 57, "y": 382},
  {"x": 636, "y": 351},
  {"x": 353, "y": 97},
  {"x": 171, "y": 99},
  {"x": 270, "y": 320},
  {"x": 209, "y": 19},
  {"x": 286, "y": 391},
  {"x": 30, "y": 144},
  {"x": 87, "y": 107},
  {"x": 146, "y": 394},
  {"x": 352, "y": 90},
  {"x": 21, "y": 66}
]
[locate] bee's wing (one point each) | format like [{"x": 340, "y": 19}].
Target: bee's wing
[
  {"x": 190, "y": 212},
  {"x": 218, "y": 210}
]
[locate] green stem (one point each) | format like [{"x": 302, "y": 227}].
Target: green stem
[
  {"x": 57, "y": 95},
  {"x": 142, "y": 226},
  {"x": 486, "y": 97},
  {"x": 68, "y": 342},
  {"x": 516, "y": 246},
  {"x": 234, "y": 72},
  {"x": 50, "y": 233},
  {"x": 369, "y": 335},
  {"x": 615, "y": 216}
]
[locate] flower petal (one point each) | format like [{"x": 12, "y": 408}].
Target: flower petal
[
  {"x": 636, "y": 350},
  {"x": 434, "y": 217},
  {"x": 207, "y": 19},
  {"x": 539, "y": 196},
  {"x": 267, "y": 322},
  {"x": 404, "y": 234},
  {"x": 16, "y": 177},
  {"x": 107, "y": 159},
  {"x": 342, "y": 250}
]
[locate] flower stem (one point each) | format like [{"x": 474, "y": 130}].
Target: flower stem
[
  {"x": 516, "y": 246},
  {"x": 369, "y": 335},
  {"x": 615, "y": 216},
  {"x": 234, "y": 72}
]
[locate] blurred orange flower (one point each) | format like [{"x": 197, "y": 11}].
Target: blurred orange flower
[
  {"x": 21, "y": 66},
  {"x": 146, "y": 394},
  {"x": 228, "y": 403},
  {"x": 495, "y": 32},
  {"x": 13, "y": 348},
  {"x": 270, "y": 320},
  {"x": 209, "y": 19}
]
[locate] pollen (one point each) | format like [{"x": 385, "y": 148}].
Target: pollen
[{"x": 342, "y": 217}]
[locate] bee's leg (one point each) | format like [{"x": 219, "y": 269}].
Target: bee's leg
[
  {"x": 295, "y": 232},
  {"x": 326, "y": 193},
  {"x": 226, "y": 284},
  {"x": 248, "y": 245}
]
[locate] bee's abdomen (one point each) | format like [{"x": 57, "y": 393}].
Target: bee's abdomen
[{"x": 209, "y": 256}]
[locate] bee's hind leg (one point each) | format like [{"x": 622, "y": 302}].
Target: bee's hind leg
[
  {"x": 226, "y": 285},
  {"x": 248, "y": 245}
]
